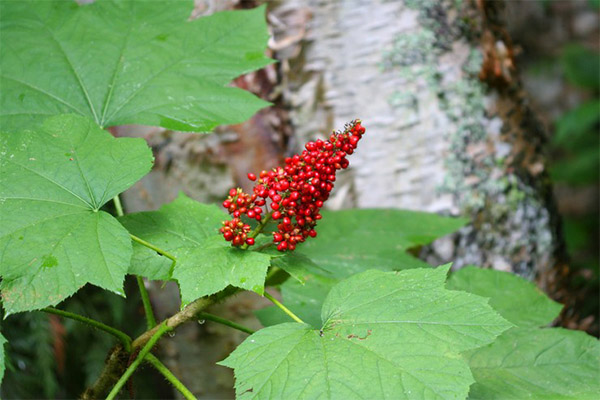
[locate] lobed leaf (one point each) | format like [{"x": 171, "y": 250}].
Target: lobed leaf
[
  {"x": 383, "y": 335},
  {"x": 538, "y": 364},
  {"x": 127, "y": 62},
  {"x": 206, "y": 263},
  {"x": 208, "y": 269},
  {"x": 516, "y": 299},
  {"x": 181, "y": 223},
  {"x": 54, "y": 236}
]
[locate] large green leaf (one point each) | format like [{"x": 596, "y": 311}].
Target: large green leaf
[
  {"x": 211, "y": 267},
  {"x": 206, "y": 263},
  {"x": 53, "y": 236},
  {"x": 516, "y": 299},
  {"x": 305, "y": 296},
  {"x": 351, "y": 241},
  {"x": 383, "y": 335},
  {"x": 127, "y": 62},
  {"x": 182, "y": 223},
  {"x": 537, "y": 364}
]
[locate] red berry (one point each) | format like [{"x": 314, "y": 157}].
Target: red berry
[
  {"x": 250, "y": 241},
  {"x": 251, "y": 176}
]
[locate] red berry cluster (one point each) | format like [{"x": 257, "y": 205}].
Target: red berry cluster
[{"x": 296, "y": 192}]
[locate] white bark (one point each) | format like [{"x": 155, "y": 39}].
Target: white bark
[{"x": 438, "y": 139}]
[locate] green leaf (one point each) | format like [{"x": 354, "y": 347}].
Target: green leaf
[
  {"x": 2, "y": 343},
  {"x": 582, "y": 168},
  {"x": 181, "y": 223},
  {"x": 209, "y": 268},
  {"x": 581, "y": 66},
  {"x": 351, "y": 241},
  {"x": 304, "y": 299},
  {"x": 383, "y": 335},
  {"x": 537, "y": 364},
  {"x": 206, "y": 263},
  {"x": 128, "y": 62},
  {"x": 54, "y": 237},
  {"x": 577, "y": 125},
  {"x": 516, "y": 299}
]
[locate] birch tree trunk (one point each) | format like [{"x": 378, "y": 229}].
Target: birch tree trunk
[{"x": 449, "y": 129}]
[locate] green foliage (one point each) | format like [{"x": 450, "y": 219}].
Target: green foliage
[
  {"x": 211, "y": 267},
  {"x": 182, "y": 223},
  {"x": 574, "y": 127},
  {"x": 206, "y": 263},
  {"x": 304, "y": 299},
  {"x": 127, "y": 62},
  {"x": 367, "y": 349},
  {"x": 526, "y": 361},
  {"x": 369, "y": 332},
  {"x": 29, "y": 357},
  {"x": 537, "y": 363},
  {"x": 577, "y": 138},
  {"x": 351, "y": 241},
  {"x": 2, "y": 343},
  {"x": 54, "y": 237},
  {"x": 517, "y": 300},
  {"x": 581, "y": 66}
]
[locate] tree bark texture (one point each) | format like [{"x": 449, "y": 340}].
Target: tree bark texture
[{"x": 449, "y": 130}]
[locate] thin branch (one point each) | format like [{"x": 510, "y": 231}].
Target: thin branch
[
  {"x": 189, "y": 313},
  {"x": 122, "y": 336},
  {"x": 223, "y": 321},
  {"x": 160, "y": 367},
  {"x": 283, "y": 308}
]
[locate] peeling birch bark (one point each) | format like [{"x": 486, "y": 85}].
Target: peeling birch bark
[{"x": 442, "y": 137}]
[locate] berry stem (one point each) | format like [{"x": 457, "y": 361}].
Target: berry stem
[
  {"x": 156, "y": 249},
  {"x": 257, "y": 230},
  {"x": 283, "y": 308},
  {"x": 224, "y": 321}
]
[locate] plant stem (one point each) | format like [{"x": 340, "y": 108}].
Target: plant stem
[
  {"x": 162, "y": 329},
  {"x": 118, "y": 206},
  {"x": 122, "y": 336},
  {"x": 156, "y": 249},
  {"x": 150, "y": 320},
  {"x": 116, "y": 360},
  {"x": 160, "y": 367},
  {"x": 143, "y": 292},
  {"x": 283, "y": 308},
  {"x": 258, "y": 229},
  {"x": 224, "y": 321},
  {"x": 153, "y": 247}
]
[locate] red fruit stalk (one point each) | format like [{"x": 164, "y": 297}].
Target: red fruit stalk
[{"x": 294, "y": 193}]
